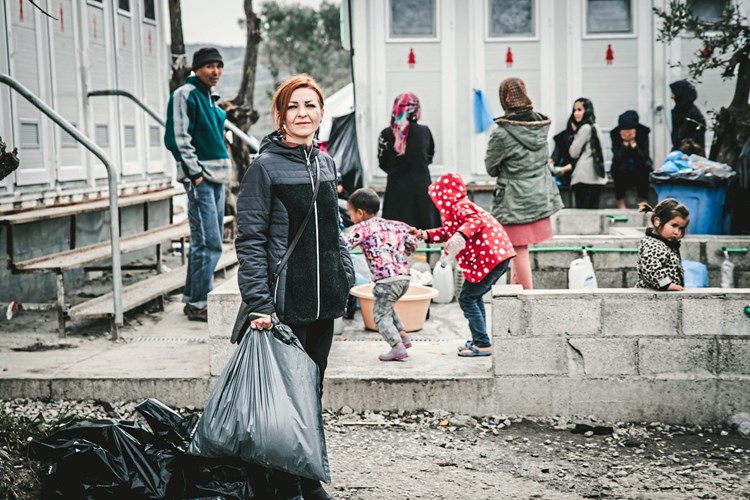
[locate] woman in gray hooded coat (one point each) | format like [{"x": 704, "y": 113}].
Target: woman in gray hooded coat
[{"x": 525, "y": 194}]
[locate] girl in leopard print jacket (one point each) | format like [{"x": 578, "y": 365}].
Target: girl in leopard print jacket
[{"x": 659, "y": 262}]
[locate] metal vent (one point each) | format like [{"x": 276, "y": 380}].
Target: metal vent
[
  {"x": 154, "y": 136},
  {"x": 30, "y": 135},
  {"x": 129, "y": 136},
  {"x": 67, "y": 140},
  {"x": 101, "y": 134}
]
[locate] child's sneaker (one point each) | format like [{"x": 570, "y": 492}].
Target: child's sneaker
[
  {"x": 406, "y": 340},
  {"x": 395, "y": 354}
]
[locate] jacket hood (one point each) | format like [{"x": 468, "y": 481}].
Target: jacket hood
[
  {"x": 273, "y": 143},
  {"x": 531, "y": 134},
  {"x": 445, "y": 192},
  {"x": 684, "y": 93}
]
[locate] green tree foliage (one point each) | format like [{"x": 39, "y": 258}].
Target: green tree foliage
[
  {"x": 300, "y": 39},
  {"x": 726, "y": 48}
]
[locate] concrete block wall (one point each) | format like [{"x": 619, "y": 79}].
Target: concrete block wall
[
  {"x": 618, "y": 270},
  {"x": 626, "y": 354},
  {"x": 602, "y": 221}
]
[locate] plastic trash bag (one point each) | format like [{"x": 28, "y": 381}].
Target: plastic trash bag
[
  {"x": 166, "y": 423},
  {"x": 266, "y": 407},
  {"x": 696, "y": 274},
  {"x": 581, "y": 274},
  {"x": 102, "y": 459},
  {"x": 694, "y": 170},
  {"x": 727, "y": 273},
  {"x": 482, "y": 112}
]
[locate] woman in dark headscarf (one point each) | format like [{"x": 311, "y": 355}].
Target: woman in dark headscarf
[
  {"x": 687, "y": 120},
  {"x": 405, "y": 151},
  {"x": 525, "y": 195}
]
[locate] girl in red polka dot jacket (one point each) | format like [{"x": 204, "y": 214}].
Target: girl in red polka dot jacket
[{"x": 481, "y": 248}]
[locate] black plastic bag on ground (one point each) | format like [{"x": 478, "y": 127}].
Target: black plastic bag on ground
[
  {"x": 102, "y": 459},
  {"x": 266, "y": 408},
  {"x": 167, "y": 423}
]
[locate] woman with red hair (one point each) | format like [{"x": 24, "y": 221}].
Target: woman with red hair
[{"x": 276, "y": 195}]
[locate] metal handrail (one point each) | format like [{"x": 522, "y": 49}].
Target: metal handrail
[
  {"x": 114, "y": 219},
  {"x": 250, "y": 141}
]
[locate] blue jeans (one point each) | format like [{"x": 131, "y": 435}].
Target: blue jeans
[
  {"x": 472, "y": 304},
  {"x": 206, "y": 217}
]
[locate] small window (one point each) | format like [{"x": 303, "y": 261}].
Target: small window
[
  {"x": 67, "y": 140},
  {"x": 413, "y": 18},
  {"x": 708, "y": 11},
  {"x": 149, "y": 10},
  {"x": 101, "y": 134},
  {"x": 30, "y": 135},
  {"x": 129, "y": 136},
  {"x": 154, "y": 136},
  {"x": 124, "y": 5},
  {"x": 511, "y": 18},
  {"x": 609, "y": 16}
]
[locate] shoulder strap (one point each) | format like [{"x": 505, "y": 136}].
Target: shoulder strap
[{"x": 302, "y": 226}]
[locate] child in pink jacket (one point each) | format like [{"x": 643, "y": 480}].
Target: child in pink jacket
[
  {"x": 385, "y": 244},
  {"x": 482, "y": 250}
]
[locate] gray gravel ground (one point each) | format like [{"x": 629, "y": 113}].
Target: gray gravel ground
[{"x": 437, "y": 455}]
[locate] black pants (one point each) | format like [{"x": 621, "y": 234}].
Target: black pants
[
  {"x": 316, "y": 338},
  {"x": 587, "y": 195}
]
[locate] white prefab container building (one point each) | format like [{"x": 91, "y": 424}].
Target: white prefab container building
[
  {"x": 441, "y": 50},
  {"x": 89, "y": 45}
]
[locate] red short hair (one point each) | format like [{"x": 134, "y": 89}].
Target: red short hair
[{"x": 284, "y": 94}]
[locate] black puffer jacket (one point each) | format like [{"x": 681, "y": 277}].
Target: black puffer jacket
[{"x": 274, "y": 198}]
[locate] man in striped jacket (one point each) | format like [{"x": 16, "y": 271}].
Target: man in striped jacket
[{"x": 195, "y": 136}]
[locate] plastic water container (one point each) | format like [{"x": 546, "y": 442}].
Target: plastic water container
[
  {"x": 581, "y": 274},
  {"x": 696, "y": 274},
  {"x": 442, "y": 281},
  {"x": 706, "y": 206}
]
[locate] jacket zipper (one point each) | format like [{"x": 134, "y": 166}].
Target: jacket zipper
[{"x": 317, "y": 242}]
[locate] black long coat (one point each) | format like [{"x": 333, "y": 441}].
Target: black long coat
[{"x": 406, "y": 197}]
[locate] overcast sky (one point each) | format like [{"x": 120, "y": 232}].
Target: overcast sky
[{"x": 215, "y": 21}]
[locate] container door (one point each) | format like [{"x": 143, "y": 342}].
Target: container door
[
  {"x": 103, "y": 120},
  {"x": 29, "y": 65},
  {"x": 6, "y": 115},
  {"x": 611, "y": 61},
  {"x": 411, "y": 54},
  {"x": 67, "y": 91},
  {"x": 153, "y": 90},
  {"x": 127, "y": 74}
]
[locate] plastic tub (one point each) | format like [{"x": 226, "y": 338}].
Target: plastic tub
[
  {"x": 706, "y": 206},
  {"x": 411, "y": 308}
]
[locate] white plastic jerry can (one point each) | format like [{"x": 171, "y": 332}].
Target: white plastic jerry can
[
  {"x": 442, "y": 281},
  {"x": 581, "y": 274}
]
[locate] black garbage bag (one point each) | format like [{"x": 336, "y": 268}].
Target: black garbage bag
[
  {"x": 167, "y": 423},
  {"x": 102, "y": 459},
  {"x": 265, "y": 408}
]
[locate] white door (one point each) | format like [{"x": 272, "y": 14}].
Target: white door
[
  {"x": 153, "y": 90},
  {"x": 6, "y": 115},
  {"x": 67, "y": 91},
  {"x": 128, "y": 73},
  {"x": 29, "y": 64},
  {"x": 611, "y": 60},
  {"x": 103, "y": 122}
]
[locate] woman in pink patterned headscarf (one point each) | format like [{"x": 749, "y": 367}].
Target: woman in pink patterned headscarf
[{"x": 405, "y": 151}]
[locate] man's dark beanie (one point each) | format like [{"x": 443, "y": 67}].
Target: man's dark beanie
[
  {"x": 628, "y": 120},
  {"x": 206, "y": 55}
]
